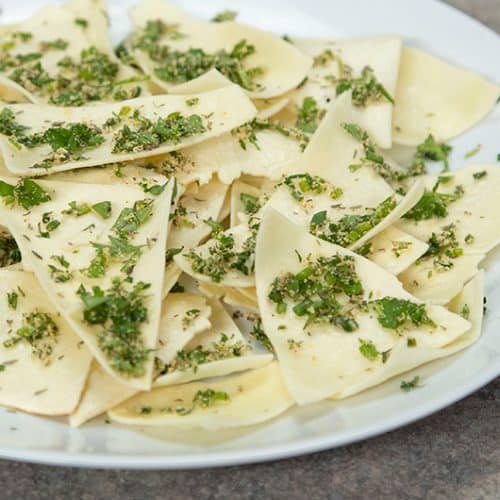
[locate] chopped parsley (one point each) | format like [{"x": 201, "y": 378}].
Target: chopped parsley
[
  {"x": 57, "y": 44},
  {"x": 408, "y": 386},
  {"x": 223, "y": 255},
  {"x": 120, "y": 313},
  {"x": 465, "y": 312},
  {"x": 209, "y": 397},
  {"x": 251, "y": 203},
  {"x": 473, "y": 152},
  {"x": 247, "y": 133},
  {"x": 192, "y": 102},
  {"x": 131, "y": 219},
  {"x": 301, "y": 185},
  {"x": 192, "y": 359},
  {"x": 189, "y": 317},
  {"x": 444, "y": 248},
  {"x": 60, "y": 274},
  {"x": 350, "y": 228},
  {"x": 68, "y": 142},
  {"x": 433, "y": 204},
  {"x": 80, "y": 21},
  {"x": 225, "y": 16},
  {"x": 94, "y": 76},
  {"x": 176, "y": 66},
  {"x": 318, "y": 290},
  {"x": 103, "y": 209},
  {"x": 260, "y": 336},
  {"x": 480, "y": 175},
  {"x": 12, "y": 298},
  {"x": 431, "y": 150},
  {"x": 26, "y": 193},
  {"x": 309, "y": 115},
  {"x": 399, "y": 247},
  {"x": 372, "y": 158},
  {"x": 368, "y": 350},
  {"x": 411, "y": 342},
  {"x": 47, "y": 225},
  {"x": 146, "y": 135},
  {"x": 366, "y": 88},
  {"x": 40, "y": 331},
  {"x": 395, "y": 313}
]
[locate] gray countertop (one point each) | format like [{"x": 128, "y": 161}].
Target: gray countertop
[{"x": 452, "y": 454}]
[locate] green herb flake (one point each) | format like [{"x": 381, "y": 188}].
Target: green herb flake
[
  {"x": 465, "y": 312},
  {"x": 12, "y": 298},
  {"x": 225, "y": 16},
  {"x": 399, "y": 247},
  {"x": 176, "y": 66},
  {"x": 309, "y": 115},
  {"x": 131, "y": 219},
  {"x": 80, "y": 21},
  {"x": 411, "y": 342},
  {"x": 444, "y": 248},
  {"x": 192, "y": 102},
  {"x": 119, "y": 312},
  {"x": 433, "y": 204},
  {"x": 373, "y": 158},
  {"x": 193, "y": 358},
  {"x": 247, "y": 133},
  {"x": 40, "y": 331},
  {"x": 223, "y": 254},
  {"x": 473, "y": 152},
  {"x": 480, "y": 175},
  {"x": 103, "y": 209},
  {"x": 368, "y": 350},
  {"x": 60, "y": 274},
  {"x": 47, "y": 225},
  {"x": 301, "y": 185},
  {"x": 146, "y": 135},
  {"x": 394, "y": 313},
  {"x": 408, "y": 386},
  {"x": 58, "y": 44},
  {"x": 251, "y": 203},
  {"x": 318, "y": 290},
  {"x": 26, "y": 193},
  {"x": 366, "y": 88},
  {"x": 260, "y": 336},
  {"x": 469, "y": 239},
  {"x": 209, "y": 397},
  {"x": 350, "y": 228},
  {"x": 431, "y": 150}
]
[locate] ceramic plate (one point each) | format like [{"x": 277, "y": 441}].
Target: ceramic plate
[{"x": 464, "y": 42}]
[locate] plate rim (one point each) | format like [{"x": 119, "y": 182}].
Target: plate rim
[{"x": 225, "y": 458}]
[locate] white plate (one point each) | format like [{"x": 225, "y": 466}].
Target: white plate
[{"x": 426, "y": 23}]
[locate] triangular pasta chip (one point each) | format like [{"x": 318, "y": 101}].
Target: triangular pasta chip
[
  {"x": 434, "y": 97},
  {"x": 218, "y": 351},
  {"x": 340, "y": 65},
  {"x": 468, "y": 304},
  {"x": 334, "y": 318},
  {"x": 137, "y": 128},
  {"x": 43, "y": 363},
  {"x": 63, "y": 55},
  {"x": 183, "y": 316},
  {"x": 243, "y": 399},
  {"x": 263, "y": 64},
  {"x": 457, "y": 218},
  {"x": 102, "y": 392},
  {"x": 99, "y": 253}
]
